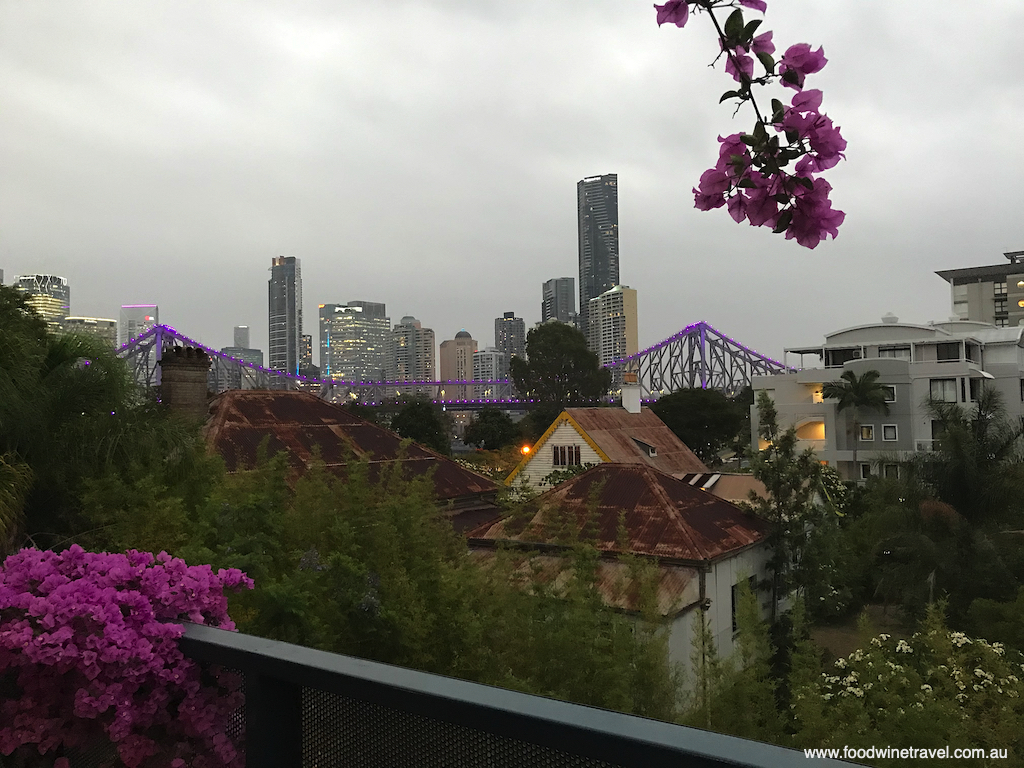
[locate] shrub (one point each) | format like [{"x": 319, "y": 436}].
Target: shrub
[{"x": 89, "y": 653}]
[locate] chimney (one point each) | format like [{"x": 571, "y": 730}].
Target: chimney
[
  {"x": 183, "y": 381},
  {"x": 630, "y": 393}
]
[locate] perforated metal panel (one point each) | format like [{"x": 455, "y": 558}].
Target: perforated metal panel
[{"x": 338, "y": 732}]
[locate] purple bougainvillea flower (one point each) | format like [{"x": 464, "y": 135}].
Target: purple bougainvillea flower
[
  {"x": 739, "y": 65},
  {"x": 763, "y": 43},
  {"x": 757, "y": 5},
  {"x": 813, "y": 215},
  {"x": 807, "y": 101},
  {"x": 800, "y": 61},
  {"x": 673, "y": 12}
]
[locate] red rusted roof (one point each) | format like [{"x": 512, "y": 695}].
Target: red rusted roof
[
  {"x": 664, "y": 517},
  {"x": 677, "y": 586},
  {"x": 296, "y": 422},
  {"x": 731, "y": 486},
  {"x": 617, "y": 432}
]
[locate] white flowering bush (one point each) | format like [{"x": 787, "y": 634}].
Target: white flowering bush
[{"x": 938, "y": 688}]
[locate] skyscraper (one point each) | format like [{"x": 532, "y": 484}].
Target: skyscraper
[
  {"x": 101, "y": 327},
  {"x": 285, "y": 314},
  {"x": 411, "y": 353},
  {"x": 613, "y": 327},
  {"x": 559, "y": 302},
  {"x": 136, "y": 319},
  {"x": 353, "y": 341},
  {"x": 597, "y": 207},
  {"x": 48, "y": 295},
  {"x": 242, "y": 337},
  {"x": 457, "y": 364},
  {"x": 510, "y": 335}
]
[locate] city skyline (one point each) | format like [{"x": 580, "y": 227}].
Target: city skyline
[{"x": 429, "y": 167}]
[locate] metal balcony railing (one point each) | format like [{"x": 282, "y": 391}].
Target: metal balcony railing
[{"x": 314, "y": 709}]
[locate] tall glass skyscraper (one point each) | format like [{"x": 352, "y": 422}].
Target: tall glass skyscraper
[
  {"x": 597, "y": 206},
  {"x": 354, "y": 341},
  {"x": 285, "y": 314},
  {"x": 559, "y": 300},
  {"x": 136, "y": 319},
  {"x": 48, "y": 295}
]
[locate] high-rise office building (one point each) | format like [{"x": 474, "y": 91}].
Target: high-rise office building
[
  {"x": 285, "y": 314},
  {"x": 136, "y": 319},
  {"x": 354, "y": 341},
  {"x": 224, "y": 377},
  {"x": 457, "y": 364},
  {"x": 597, "y": 208},
  {"x": 559, "y": 300},
  {"x": 241, "y": 337},
  {"x": 48, "y": 295},
  {"x": 410, "y": 354},
  {"x": 510, "y": 335},
  {"x": 613, "y": 327},
  {"x": 489, "y": 364},
  {"x": 101, "y": 327}
]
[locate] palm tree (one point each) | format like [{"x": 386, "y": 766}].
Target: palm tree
[{"x": 856, "y": 392}]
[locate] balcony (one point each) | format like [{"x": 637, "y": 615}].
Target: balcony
[{"x": 311, "y": 708}]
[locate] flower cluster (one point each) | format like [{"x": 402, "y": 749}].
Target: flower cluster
[
  {"x": 770, "y": 180},
  {"x": 89, "y": 652}
]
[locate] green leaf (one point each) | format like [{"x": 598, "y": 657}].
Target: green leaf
[
  {"x": 734, "y": 25},
  {"x": 804, "y": 182},
  {"x": 767, "y": 62},
  {"x": 783, "y": 223},
  {"x": 748, "y": 140},
  {"x": 781, "y": 197},
  {"x": 792, "y": 136},
  {"x": 778, "y": 110},
  {"x": 747, "y": 184},
  {"x": 759, "y": 131},
  {"x": 791, "y": 77},
  {"x": 730, "y": 95},
  {"x": 748, "y": 31}
]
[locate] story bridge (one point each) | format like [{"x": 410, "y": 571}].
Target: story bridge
[{"x": 697, "y": 356}]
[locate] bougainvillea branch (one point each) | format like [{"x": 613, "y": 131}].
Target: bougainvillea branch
[
  {"x": 89, "y": 654},
  {"x": 769, "y": 177}
]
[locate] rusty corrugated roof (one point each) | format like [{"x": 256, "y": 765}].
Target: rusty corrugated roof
[
  {"x": 617, "y": 432},
  {"x": 296, "y": 422},
  {"x": 663, "y": 517},
  {"x": 677, "y": 587},
  {"x": 731, "y": 486}
]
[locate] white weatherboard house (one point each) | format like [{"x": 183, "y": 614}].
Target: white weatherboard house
[{"x": 628, "y": 435}]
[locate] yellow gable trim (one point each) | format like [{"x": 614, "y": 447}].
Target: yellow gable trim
[{"x": 563, "y": 418}]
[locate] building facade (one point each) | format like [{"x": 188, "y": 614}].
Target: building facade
[
  {"x": 510, "y": 335},
  {"x": 613, "y": 327},
  {"x": 597, "y": 208},
  {"x": 48, "y": 295},
  {"x": 230, "y": 376},
  {"x": 950, "y": 362},
  {"x": 240, "y": 337},
  {"x": 410, "y": 354},
  {"x": 136, "y": 319},
  {"x": 457, "y": 365},
  {"x": 285, "y": 314},
  {"x": 103, "y": 328},
  {"x": 992, "y": 294},
  {"x": 354, "y": 341},
  {"x": 558, "y": 300}
]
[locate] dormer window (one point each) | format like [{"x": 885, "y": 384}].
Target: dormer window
[{"x": 647, "y": 448}]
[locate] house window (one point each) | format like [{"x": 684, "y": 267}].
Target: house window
[
  {"x": 900, "y": 353},
  {"x": 889, "y": 432},
  {"x": 865, "y": 471},
  {"x": 752, "y": 583},
  {"x": 938, "y": 429},
  {"x": 947, "y": 352},
  {"x": 891, "y": 471},
  {"x": 837, "y": 357},
  {"x": 890, "y": 393},
  {"x": 1001, "y": 322},
  {"x": 999, "y": 289},
  {"x": 976, "y": 386},
  {"x": 942, "y": 390},
  {"x": 1000, "y": 306},
  {"x": 867, "y": 432},
  {"x": 566, "y": 456}
]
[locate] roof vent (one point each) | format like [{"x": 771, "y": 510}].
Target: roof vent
[{"x": 890, "y": 319}]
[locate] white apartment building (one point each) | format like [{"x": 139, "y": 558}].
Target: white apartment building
[
  {"x": 918, "y": 364},
  {"x": 612, "y": 327}
]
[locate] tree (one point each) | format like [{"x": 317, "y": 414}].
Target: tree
[
  {"x": 560, "y": 371},
  {"x": 704, "y": 419},
  {"x": 853, "y": 393},
  {"x": 491, "y": 429},
  {"x": 421, "y": 421}
]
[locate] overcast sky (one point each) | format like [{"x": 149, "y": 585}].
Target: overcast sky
[{"x": 425, "y": 154}]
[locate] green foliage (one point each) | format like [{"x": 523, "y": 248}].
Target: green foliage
[
  {"x": 999, "y": 621},
  {"x": 561, "y": 370},
  {"x": 557, "y": 476},
  {"x": 491, "y": 430},
  {"x": 421, "y": 421},
  {"x": 704, "y": 419}
]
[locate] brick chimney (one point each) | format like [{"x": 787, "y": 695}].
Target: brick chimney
[{"x": 183, "y": 381}]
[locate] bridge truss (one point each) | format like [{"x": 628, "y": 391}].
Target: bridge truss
[{"x": 697, "y": 356}]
